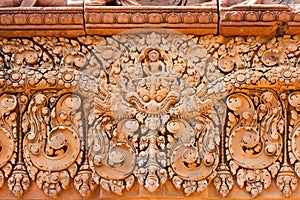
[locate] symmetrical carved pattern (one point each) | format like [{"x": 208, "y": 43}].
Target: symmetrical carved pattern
[
  {"x": 154, "y": 118},
  {"x": 108, "y": 17},
  {"x": 150, "y": 108}
]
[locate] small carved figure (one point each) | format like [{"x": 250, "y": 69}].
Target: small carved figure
[{"x": 153, "y": 65}]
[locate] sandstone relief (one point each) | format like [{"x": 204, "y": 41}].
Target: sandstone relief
[
  {"x": 53, "y": 3},
  {"x": 152, "y": 3},
  {"x": 228, "y": 3},
  {"x": 152, "y": 118},
  {"x": 150, "y": 109},
  {"x": 40, "y": 3},
  {"x": 164, "y": 3}
]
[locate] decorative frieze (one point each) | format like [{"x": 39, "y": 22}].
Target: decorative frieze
[
  {"x": 73, "y": 18},
  {"x": 112, "y": 20},
  {"x": 256, "y": 17},
  {"x": 52, "y": 21},
  {"x": 149, "y": 109}
]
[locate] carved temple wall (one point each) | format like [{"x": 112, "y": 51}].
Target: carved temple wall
[{"x": 137, "y": 99}]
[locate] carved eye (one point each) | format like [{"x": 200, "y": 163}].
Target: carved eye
[
  {"x": 173, "y": 126},
  {"x": 146, "y": 98},
  {"x": 159, "y": 98}
]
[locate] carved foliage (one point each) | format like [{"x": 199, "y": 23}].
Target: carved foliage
[
  {"x": 84, "y": 182},
  {"x": 294, "y": 129},
  {"x": 158, "y": 113},
  {"x": 8, "y": 135},
  {"x": 293, "y": 143},
  {"x": 153, "y": 116},
  {"x": 52, "y": 146},
  {"x": 254, "y": 138}
]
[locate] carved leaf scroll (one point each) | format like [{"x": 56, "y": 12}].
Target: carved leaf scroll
[
  {"x": 52, "y": 143},
  {"x": 159, "y": 113},
  {"x": 254, "y": 138},
  {"x": 154, "y": 116},
  {"x": 8, "y": 135}
]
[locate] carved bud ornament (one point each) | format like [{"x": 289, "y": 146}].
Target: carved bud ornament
[{"x": 149, "y": 108}]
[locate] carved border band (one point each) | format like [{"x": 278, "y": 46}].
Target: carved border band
[
  {"x": 147, "y": 109},
  {"x": 189, "y": 20},
  {"x": 36, "y": 21},
  {"x": 262, "y": 19},
  {"x": 241, "y": 19}
]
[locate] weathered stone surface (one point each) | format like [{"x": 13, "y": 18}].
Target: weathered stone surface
[
  {"x": 112, "y": 20},
  {"x": 77, "y": 18},
  {"x": 52, "y": 21},
  {"x": 40, "y": 3},
  {"x": 255, "y": 17},
  {"x": 150, "y": 114}
]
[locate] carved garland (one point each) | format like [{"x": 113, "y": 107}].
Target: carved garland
[
  {"x": 164, "y": 107},
  {"x": 153, "y": 122}
]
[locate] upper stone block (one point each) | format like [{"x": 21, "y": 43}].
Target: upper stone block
[
  {"x": 40, "y": 3},
  {"x": 259, "y": 17},
  {"x": 198, "y": 17},
  {"x": 152, "y": 2}
]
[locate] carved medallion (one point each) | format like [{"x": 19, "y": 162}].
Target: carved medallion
[{"x": 153, "y": 120}]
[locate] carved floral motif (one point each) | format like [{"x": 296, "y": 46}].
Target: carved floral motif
[
  {"x": 149, "y": 108},
  {"x": 8, "y": 136},
  {"x": 52, "y": 148},
  {"x": 148, "y": 104},
  {"x": 256, "y": 123}
]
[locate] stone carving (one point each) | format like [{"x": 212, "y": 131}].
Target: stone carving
[
  {"x": 289, "y": 182},
  {"x": 8, "y": 136},
  {"x": 30, "y": 3},
  {"x": 153, "y": 110},
  {"x": 52, "y": 148},
  {"x": 257, "y": 125},
  {"x": 262, "y": 74},
  {"x": 228, "y": 3},
  {"x": 19, "y": 180},
  {"x": 84, "y": 182},
  {"x": 160, "y": 107},
  {"x": 258, "y": 17},
  {"x": 44, "y": 3},
  {"x": 161, "y": 3},
  {"x": 152, "y": 3}
]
